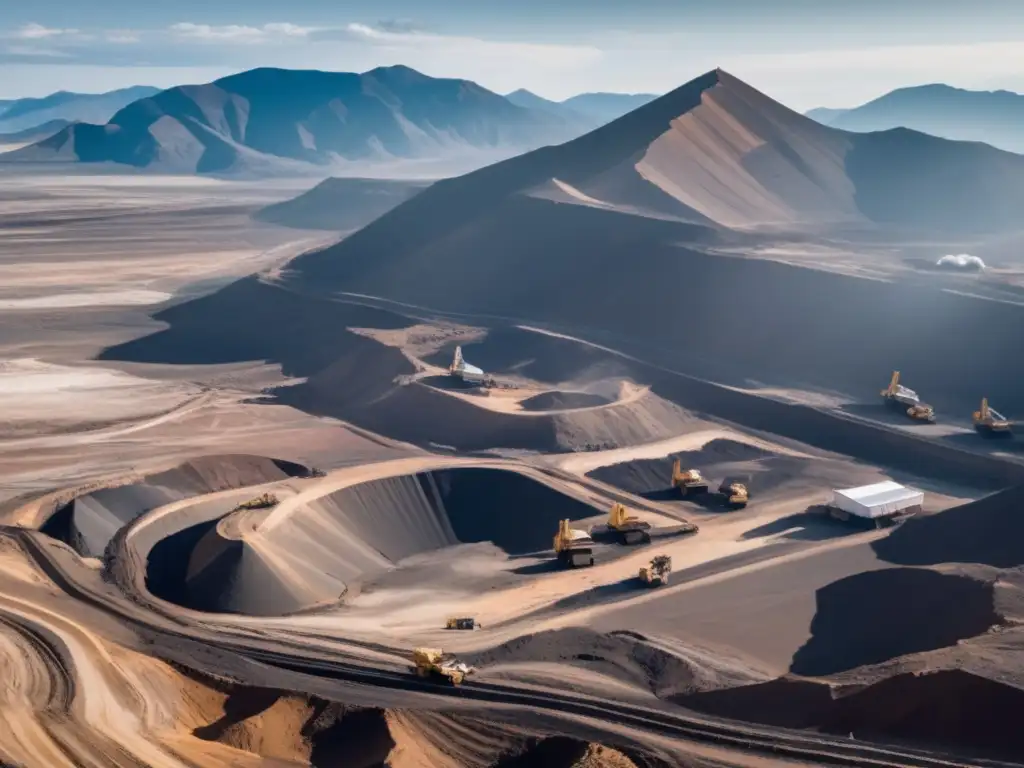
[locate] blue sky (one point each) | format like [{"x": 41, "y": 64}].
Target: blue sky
[{"x": 804, "y": 52}]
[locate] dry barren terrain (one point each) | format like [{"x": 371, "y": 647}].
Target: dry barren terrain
[{"x": 239, "y": 485}]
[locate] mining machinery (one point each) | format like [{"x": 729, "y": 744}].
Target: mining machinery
[
  {"x": 655, "y": 574},
  {"x": 625, "y": 528},
  {"x": 470, "y": 374},
  {"x": 573, "y": 548},
  {"x": 461, "y": 623},
  {"x": 262, "y": 501},
  {"x": 433, "y": 662},
  {"x": 735, "y": 493},
  {"x": 689, "y": 482},
  {"x": 989, "y": 421},
  {"x": 907, "y": 400}
]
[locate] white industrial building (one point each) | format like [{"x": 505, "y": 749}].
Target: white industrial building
[{"x": 879, "y": 500}]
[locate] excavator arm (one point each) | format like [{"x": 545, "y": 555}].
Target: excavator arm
[{"x": 894, "y": 383}]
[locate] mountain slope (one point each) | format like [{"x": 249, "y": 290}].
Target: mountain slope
[
  {"x": 35, "y": 133},
  {"x": 825, "y": 115},
  {"x": 23, "y": 114},
  {"x": 588, "y": 110},
  {"x": 614, "y": 239},
  {"x": 606, "y": 237},
  {"x": 306, "y": 117},
  {"x": 992, "y": 117},
  {"x": 529, "y": 100},
  {"x": 340, "y": 204},
  {"x": 716, "y": 151},
  {"x": 605, "y": 107}
]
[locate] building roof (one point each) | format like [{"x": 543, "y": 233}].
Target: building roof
[{"x": 887, "y": 496}]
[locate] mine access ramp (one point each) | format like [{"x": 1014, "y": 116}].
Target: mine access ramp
[{"x": 884, "y": 503}]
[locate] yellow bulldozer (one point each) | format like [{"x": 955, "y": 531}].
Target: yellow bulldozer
[
  {"x": 656, "y": 573},
  {"x": 689, "y": 482},
  {"x": 433, "y": 662},
  {"x": 260, "y": 502},
  {"x": 735, "y": 493},
  {"x": 902, "y": 398},
  {"x": 626, "y": 528},
  {"x": 461, "y": 623},
  {"x": 574, "y": 548},
  {"x": 989, "y": 421}
]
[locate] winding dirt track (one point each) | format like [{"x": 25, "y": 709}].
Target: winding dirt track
[{"x": 379, "y": 674}]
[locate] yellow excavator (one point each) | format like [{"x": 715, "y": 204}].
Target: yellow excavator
[
  {"x": 574, "y": 548},
  {"x": 990, "y": 422},
  {"x": 626, "y": 528},
  {"x": 735, "y": 493},
  {"x": 433, "y": 662},
  {"x": 907, "y": 400},
  {"x": 655, "y": 574},
  {"x": 689, "y": 482}
]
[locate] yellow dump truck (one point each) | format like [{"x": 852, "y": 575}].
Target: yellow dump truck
[
  {"x": 989, "y": 421},
  {"x": 656, "y": 573},
  {"x": 904, "y": 399},
  {"x": 574, "y": 548},
  {"x": 688, "y": 482},
  {"x": 433, "y": 662},
  {"x": 461, "y": 623}
]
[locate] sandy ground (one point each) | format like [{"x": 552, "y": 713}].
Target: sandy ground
[
  {"x": 82, "y": 258},
  {"x": 153, "y": 611}
]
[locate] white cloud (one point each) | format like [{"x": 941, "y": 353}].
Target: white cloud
[
  {"x": 289, "y": 30},
  {"x": 35, "y": 31},
  {"x": 240, "y": 32},
  {"x": 121, "y": 36},
  {"x": 447, "y": 49},
  {"x": 848, "y": 77}
]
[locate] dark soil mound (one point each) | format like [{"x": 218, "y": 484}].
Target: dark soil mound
[
  {"x": 311, "y": 557},
  {"x": 654, "y": 476},
  {"x": 949, "y": 707},
  {"x": 555, "y": 401},
  {"x": 784, "y": 703},
  {"x": 989, "y": 531},
  {"x": 88, "y": 522},
  {"x": 619, "y": 655},
  {"x": 878, "y": 615}
]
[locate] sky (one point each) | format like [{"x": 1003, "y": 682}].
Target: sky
[{"x": 805, "y": 53}]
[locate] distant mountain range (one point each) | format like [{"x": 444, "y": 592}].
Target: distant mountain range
[
  {"x": 34, "y": 134},
  {"x": 594, "y": 109},
  {"x": 714, "y": 153},
  {"x": 992, "y": 117},
  {"x": 630, "y": 216},
  {"x": 276, "y": 119},
  {"x": 24, "y": 114}
]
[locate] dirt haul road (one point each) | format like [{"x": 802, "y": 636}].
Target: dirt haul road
[
  {"x": 379, "y": 680},
  {"x": 323, "y": 656}
]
